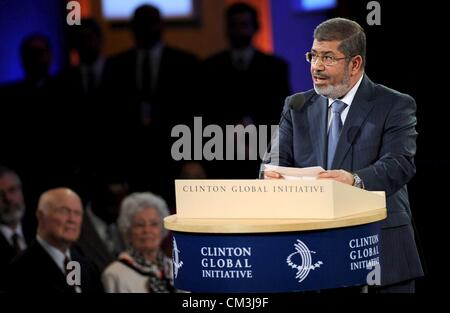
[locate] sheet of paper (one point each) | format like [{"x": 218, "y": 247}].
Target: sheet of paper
[{"x": 295, "y": 172}]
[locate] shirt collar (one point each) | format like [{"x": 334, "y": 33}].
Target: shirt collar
[
  {"x": 8, "y": 232},
  {"x": 54, "y": 253},
  {"x": 155, "y": 51},
  {"x": 348, "y": 98},
  {"x": 96, "y": 66}
]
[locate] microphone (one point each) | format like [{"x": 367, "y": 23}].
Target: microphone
[{"x": 294, "y": 103}]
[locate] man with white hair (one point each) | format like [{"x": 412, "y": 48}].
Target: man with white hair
[{"x": 45, "y": 266}]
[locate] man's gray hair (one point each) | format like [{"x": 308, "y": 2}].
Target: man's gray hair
[
  {"x": 350, "y": 33},
  {"x": 135, "y": 203}
]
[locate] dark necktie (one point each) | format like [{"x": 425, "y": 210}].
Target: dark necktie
[
  {"x": 239, "y": 63},
  {"x": 66, "y": 261},
  {"x": 335, "y": 130},
  {"x": 15, "y": 243},
  {"x": 146, "y": 77},
  {"x": 90, "y": 80}
]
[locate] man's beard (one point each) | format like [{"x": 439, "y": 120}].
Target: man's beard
[
  {"x": 336, "y": 91},
  {"x": 12, "y": 215}
]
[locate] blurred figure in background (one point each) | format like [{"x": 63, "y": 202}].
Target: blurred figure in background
[
  {"x": 148, "y": 74},
  {"x": 252, "y": 85},
  {"x": 150, "y": 88},
  {"x": 100, "y": 239},
  {"x": 81, "y": 96},
  {"x": 243, "y": 85},
  {"x": 36, "y": 61},
  {"x": 31, "y": 115},
  {"x": 43, "y": 265},
  {"x": 87, "y": 41},
  {"x": 26, "y": 103},
  {"x": 144, "y": 267}
]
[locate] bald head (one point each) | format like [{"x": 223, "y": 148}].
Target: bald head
[
  {"x": 54, "y": 197},
  {"x": 59, "y": 217}
]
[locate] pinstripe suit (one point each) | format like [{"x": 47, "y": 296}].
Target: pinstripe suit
[{"x": 378, "y": 142}]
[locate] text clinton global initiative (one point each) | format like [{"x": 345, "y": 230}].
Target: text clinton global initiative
[{"x": 254, "y": 189}]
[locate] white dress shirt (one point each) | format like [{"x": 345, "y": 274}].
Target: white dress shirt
[
  {"x": 347, "y": 99},
  {"x": 243, "y": 56},
  {"x": 97, "y": 68},
  {"x": 155, "y": 61}
]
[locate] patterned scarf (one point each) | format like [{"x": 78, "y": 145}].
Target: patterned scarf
[{"x": 159, "y": 273}]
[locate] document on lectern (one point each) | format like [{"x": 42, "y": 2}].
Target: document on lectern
[{"x": 295, "y": 172}]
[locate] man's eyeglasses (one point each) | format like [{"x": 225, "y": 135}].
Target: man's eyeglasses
[{"x": 328, "y": 60}]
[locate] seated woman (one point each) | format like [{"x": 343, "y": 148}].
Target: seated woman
[{"x": 143, "y": 267}]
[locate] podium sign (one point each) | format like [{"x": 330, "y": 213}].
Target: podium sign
[{"x": 325, "y": 199}]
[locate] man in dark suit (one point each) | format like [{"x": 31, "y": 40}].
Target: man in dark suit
[
  {"x": 30, "y": 113},
  {"x": 82, "y": 112},
  {"x": 148, "y": 89},
  {"x": 363, "y": 133},
  {"x": 243, "y": 84},
  {"x": 85, "y": 77},
  {"x": 29, "y": 102},
  {"x": 82, "y": 81},
  {"x": 14, "y": 233},
  {"x": 45, "y": 265},
  {"x": 152, "y": 78},
  {"x": 100, "y": 239}
]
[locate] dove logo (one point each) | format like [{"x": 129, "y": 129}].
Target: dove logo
[
  {"x": 301, "y": 260},
  {"x": 177, "y": 263}
]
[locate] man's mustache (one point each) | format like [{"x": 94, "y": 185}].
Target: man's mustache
[{"x": 319, "y": 75}]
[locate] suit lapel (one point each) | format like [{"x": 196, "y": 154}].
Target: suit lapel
[
  {"x": 7, "y": 249},
  {"x": 359, "y": 110},
  {"x": 317, "y": 117},
  {"x": 47, "y": 266}
]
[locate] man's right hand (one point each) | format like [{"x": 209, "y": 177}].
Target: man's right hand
[{"x": 272, "y": 175}]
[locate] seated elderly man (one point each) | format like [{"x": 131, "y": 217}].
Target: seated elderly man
[
  {"x": 143, "y": 267},
  {"x": 43, "y": 266}
]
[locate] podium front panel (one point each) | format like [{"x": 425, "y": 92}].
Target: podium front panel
[{"x": 277, "y": 262}]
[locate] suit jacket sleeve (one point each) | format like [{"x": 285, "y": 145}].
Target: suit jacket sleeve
[{"x": 395, "y": 165}]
